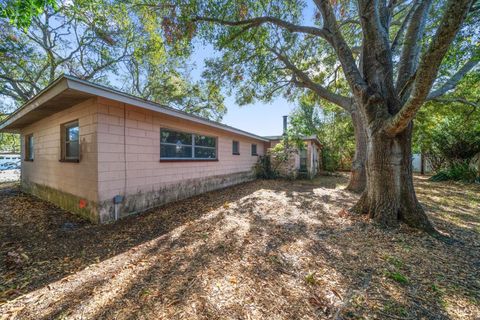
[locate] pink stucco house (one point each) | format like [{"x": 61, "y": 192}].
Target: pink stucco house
[{"x": 105, "y": 154}]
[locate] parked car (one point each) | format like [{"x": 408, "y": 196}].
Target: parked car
[{"x": 10, "y": 165}]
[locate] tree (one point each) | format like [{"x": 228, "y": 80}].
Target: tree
[
  {"x": 100, "y": 41},
  {"x": 21, "y": 12},
  {"x": 391, "y": 56}
]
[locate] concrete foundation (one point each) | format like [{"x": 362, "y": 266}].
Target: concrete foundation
[
  {"x": 104, "y": 212},
  {"x": 83, "y": 207},
  {"x": 141, "y": 201}
]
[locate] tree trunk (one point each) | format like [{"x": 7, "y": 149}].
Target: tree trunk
[
  {"x": 358, "y": 175},
  {"x": 390, "y": 196}
]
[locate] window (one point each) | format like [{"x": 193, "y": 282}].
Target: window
[
  {"x": 176, "y": 145},
  {"x": 29, "y": 147},
  {"x": 254, "y": 150},
  {"x": 235, "y": 147},
  {"x": 70, "y": 142}
]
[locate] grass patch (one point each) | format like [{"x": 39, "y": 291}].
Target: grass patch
[
  {"x": 310, "y": 279},
  {"x": 397, "y": 276}
]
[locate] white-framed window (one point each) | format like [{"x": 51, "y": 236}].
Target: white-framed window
[
  {"x": 70, "y": 141},
  {"x": 29, "y": 147},
  {"x": 235, "y": 147},
  {"x": 178, "y": 145}
]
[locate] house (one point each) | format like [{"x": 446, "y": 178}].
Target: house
[
  {"x": 303, "y": 163},
  {"x": 105, "y": 154}
]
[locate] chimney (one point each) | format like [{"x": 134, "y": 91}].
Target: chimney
[{"x": 285, "y": 124}]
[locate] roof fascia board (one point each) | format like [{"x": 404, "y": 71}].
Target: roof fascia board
[
  {"x": 128, "y": 99},
  {"x": 46, "y": 94}
]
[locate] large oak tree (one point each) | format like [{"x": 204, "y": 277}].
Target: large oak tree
[{"x": 390, "y": 54}]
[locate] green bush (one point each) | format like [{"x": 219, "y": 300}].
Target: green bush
[
  {"x": 459, "y": 171},
  {"x": 263, "y": 168}
]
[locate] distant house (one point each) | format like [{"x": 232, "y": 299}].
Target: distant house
[
  {"x": 105, "y": 154},
  {"x": 304, "y": 163}
]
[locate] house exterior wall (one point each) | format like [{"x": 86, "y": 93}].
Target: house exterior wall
[
  {"x": 120, "y": 155},
  {"x": 72, "y": 186},
  {"x": 291, "y": 168},
  {"x": 313, "y": 154},
  {"x": 129, "y": 160}
]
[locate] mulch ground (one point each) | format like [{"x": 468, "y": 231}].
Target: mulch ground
[{"x": 260, "y": 250}]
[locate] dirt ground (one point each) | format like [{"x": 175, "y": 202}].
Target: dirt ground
[{"x": 260, "y": 250}]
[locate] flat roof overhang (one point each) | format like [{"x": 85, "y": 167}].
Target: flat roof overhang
[{"x": 68, "y": 91}]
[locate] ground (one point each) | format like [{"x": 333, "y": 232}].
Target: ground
[
  {"x": 9, "y": 175},
  {"x": 260, "y": 250}
]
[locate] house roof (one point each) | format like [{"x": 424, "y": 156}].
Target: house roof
[
  {"x": 67, "y": 91},
  {"x": 313, "y": 137}
]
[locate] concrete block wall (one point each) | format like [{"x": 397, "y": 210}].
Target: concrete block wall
[
  {"x": 133, "y": 169},
  {"x": 76, "y": 181},
  {"x": 120, "y": 155}
]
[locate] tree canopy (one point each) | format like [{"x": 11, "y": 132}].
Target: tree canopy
[{"x": 112, "y": 43}]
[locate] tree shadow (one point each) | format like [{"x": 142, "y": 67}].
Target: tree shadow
[{"x": 267, "y": 249}]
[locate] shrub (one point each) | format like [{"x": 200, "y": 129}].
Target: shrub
[
  {"x": 460, "y": 171},
  {"x": 263, "y": 168}
]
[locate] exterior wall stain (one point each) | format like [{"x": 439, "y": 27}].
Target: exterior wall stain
[
  {"x": 142, "y": 201},
  {"x": 63, "y": 200}
]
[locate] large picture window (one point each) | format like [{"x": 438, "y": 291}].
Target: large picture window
[
  {"x": 176, "y": 145},
  {"x": 70, "y": 142}
]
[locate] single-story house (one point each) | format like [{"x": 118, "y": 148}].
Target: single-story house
[{"x": 105, "y": 154}]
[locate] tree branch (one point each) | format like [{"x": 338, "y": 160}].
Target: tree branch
[
  {"x": 256, "y": 22},
  {"x": 402, "y": 29},
  {"x": 411, "y": 45},
  {"x": 343, "y": 51},
  {"x": 455, "y": 79},
  {"x": 452, "y": 19},
  {"x": 307, "y": 82},
  {"x": 458, "y": 100}
]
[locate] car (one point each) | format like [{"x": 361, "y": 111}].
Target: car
[{"x": 10, "y": 165}]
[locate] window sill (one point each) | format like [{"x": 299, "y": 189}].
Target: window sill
[
  {"x": 187, "y": 160},
  {"x": 70, "y": 160},
  {"x": 254, "y": 155},
  {"x": 236, "y": 153},
  {"x": 28, "y": 160}
]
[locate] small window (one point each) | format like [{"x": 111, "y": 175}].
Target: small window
[
  {"x": 29, "y": 147},
  {"x": 70, "y": 142},
  {"x": 176, "y": 145},
  {"x": 1, "y": 158},
  {"x": 235, "y": 147},
  {"x": 254, "y": 150}
]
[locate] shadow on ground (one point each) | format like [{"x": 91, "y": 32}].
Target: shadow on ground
[{"x": 261, "y": 250}]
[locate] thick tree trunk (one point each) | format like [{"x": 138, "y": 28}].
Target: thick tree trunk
[
  {"x": 358, "y": 175},
  {"x": 390, "y": 196}
]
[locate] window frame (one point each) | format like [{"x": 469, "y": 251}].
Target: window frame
[
  {"x": 63, "y": 131},
  {"x": 251, "y": 148},
  {"x": 192, "y": 146},
  {"x": 236, "y": 153},
  {"x": 29, "y": 149}
]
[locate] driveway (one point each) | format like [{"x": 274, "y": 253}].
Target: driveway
[{"x": 260, "y": 250}]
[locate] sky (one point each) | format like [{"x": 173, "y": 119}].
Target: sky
[{"x": 264, "y": 119}]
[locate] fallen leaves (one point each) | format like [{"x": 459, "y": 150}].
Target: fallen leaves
[{"x": 266, "y": 249}]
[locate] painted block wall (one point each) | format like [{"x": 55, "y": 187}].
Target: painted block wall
[
  {"x": 129, "y": 152},
  {"x": 75, "y": 181},
  {"x": 120, "y": 155}
]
